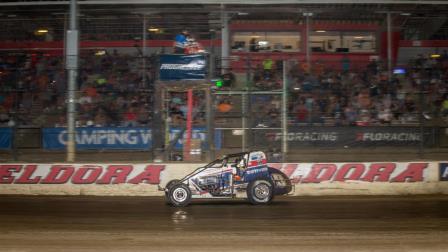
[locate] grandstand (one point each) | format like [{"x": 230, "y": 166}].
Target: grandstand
[{"x": 297, "y": 80}]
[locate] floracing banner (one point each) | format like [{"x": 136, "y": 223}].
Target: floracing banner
[
  {"x": 303, "y": 173},
  {"x": 347, "y": 136}
]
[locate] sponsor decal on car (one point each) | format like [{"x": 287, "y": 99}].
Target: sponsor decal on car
[
  {"x": 256, "y": 170},
  {"x": 443, "y": 171}
]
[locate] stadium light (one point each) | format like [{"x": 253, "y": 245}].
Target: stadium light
[
  {"x": 42, "y": 31},
  {"x": 100, "y": 53},
  {"x": 153, "y": 29}
]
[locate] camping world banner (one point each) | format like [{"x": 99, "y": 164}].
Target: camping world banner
[
  {"x": 5, "y": 138},
  {"x": 99, "y": 138},
  {"x": 138, "y": 138}
]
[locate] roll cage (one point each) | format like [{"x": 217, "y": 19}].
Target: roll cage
[{"x": 222, "y": 161}]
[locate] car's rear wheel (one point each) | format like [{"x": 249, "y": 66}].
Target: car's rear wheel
[
  {"x": 180, "y": 195},
  {"x": 260, "y": 192}
]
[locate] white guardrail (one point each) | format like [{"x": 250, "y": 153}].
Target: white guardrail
[{"x": 376, "y": 178}]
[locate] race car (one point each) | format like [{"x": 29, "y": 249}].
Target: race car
[{"x": 240, "y": 175}]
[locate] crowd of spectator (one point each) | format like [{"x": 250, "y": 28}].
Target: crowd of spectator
[
  {"x": 112, "y": 90},
  {"x": 368, "y": 97},
  {"x": 113, "y": 93},
  {"x": 321, "y": 95}
]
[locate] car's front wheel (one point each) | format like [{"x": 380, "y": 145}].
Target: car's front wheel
[
  {"x": 260, "y": 192},
  {"x": 167, "y": 189},
  {"x": 180, "y": 195}
]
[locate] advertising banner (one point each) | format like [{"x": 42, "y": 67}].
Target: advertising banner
[
  {"x": 5, "y": 138},
  {"x": 120, "y": 138},
  {"x": 197, "y": 133},
  {"x": 182, "y": 67},
  {"x": 303, "y": 173},
  {"x": 72, "y": 174},
  {"x": 443, "y": 171},
  {"x": 99, "y": 138},
  {"x": 373, "y": 178},
  {"x": 346, "y": 136},
  {"x": 394, "y": 172}
]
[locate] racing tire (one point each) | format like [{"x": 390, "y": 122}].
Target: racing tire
[
  {"x": 167, "y": 189},
  {"x": 260, "y": 192},
  {"x": 180, "y": 195}
]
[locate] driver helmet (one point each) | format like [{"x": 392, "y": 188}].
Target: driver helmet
[{"x": 242, "y": 161}]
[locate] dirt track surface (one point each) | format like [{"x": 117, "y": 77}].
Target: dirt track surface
[{"x": 45, "y": 223}]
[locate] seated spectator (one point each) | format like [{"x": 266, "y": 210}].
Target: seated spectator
[
  {"x": 364, "y": 118},
  {"x": 267, "y": 68},
  {"x": 228, "y": 79},
  {"x": 253, "y": 45},
  {"x": 85, "y": 98},
  {"x": 4, "y": 117},
  {"x": 100, "y": 120},
  {"x": 225, "y": 106},
  {"x": 385, "y": 115},
  {"x": 350, "y": 115},
  {"x": 444, "y": 108},
  {"x": 143, "y": 116},
  {"x": 130, "y": 117},
  {"x": 301, "y": 112}
]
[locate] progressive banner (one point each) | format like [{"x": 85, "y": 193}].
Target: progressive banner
[{"x": 182, "y": 67}]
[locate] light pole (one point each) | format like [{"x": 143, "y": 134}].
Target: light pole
[
  {"x": 307, "y": 16},
  {"x": 72, "y": 56}
]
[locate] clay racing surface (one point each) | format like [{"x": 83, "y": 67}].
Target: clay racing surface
[{"x": 81, "y": 223}]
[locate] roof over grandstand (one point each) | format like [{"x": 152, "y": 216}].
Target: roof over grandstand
[
  {"x": 428, "y": 17},
  {"x": 256, "y": 2}
]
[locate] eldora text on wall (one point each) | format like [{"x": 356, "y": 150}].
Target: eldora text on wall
[
  {"x": 80, "y": 174},
  {"x": 366, "y": 172},
  {"x": 396, "y": 172}
]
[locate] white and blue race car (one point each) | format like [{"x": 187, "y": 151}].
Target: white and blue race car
[{"x": 240, "y": 175}]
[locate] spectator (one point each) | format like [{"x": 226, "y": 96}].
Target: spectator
[
  {"x": 267, "y": 68},
  {"x": 180, "y": 42},
  {"x": 130, "y": 117},
  {"x": 253, "y": 45},
  {"x": 445, "y": 107},
  {"x": 228, "y": 79},
  {"x": 225, "y": 106}
]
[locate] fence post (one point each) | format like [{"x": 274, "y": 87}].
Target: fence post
[{"x": 284, "y": 114}]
